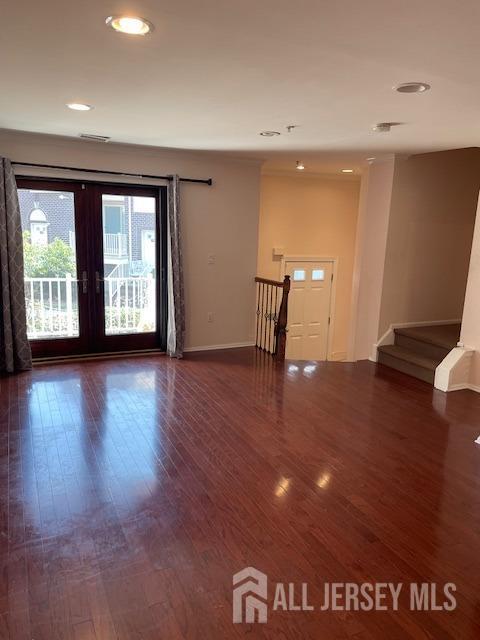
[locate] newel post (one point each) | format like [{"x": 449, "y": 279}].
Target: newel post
[{"x": 281, "y": 326}]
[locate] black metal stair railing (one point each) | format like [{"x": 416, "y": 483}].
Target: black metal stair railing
[{"x": 272, "y": 312}]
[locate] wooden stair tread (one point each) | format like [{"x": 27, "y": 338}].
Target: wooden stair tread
[
  {"x": 440, "y": 335},
  {"x": 409, "y": 356}
]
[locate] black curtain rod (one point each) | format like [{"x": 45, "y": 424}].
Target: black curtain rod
[{"x": 111, "y": 173}]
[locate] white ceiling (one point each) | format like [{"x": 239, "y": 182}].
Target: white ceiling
[{"x": 216, "y": 72}]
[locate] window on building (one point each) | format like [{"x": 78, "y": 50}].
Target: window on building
[
  {"x": 112, "y": 218},
  {"x": 38, "y": 228}
]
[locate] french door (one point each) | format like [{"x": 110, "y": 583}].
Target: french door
[{"x": 95, "y": 266}]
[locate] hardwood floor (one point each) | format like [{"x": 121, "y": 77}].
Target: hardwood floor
[{"x": 131, "y": 492}]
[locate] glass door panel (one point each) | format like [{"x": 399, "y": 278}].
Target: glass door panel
[
  {"x": 51, "y": 292},
  {"x": 92, "y": 277},
  {"x": 52, "y": 264},
  {"x": 129, "y": 264}
]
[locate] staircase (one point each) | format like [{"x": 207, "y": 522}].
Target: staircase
[{"x": 419, "y": 350}]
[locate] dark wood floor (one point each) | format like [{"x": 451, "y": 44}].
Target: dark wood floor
[{"x": 132, "y": 490}]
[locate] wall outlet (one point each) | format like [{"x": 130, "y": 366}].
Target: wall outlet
[
  {"x": 210, "y": 316},
  {"x": 211, "y": 258}
]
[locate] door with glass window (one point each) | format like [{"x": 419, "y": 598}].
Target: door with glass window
[
  {"x": 309, "y": 309},
  {"x": 94, "y": 266},
  {"x": 128, "y": 291},
  {"x": 55, "y": 266}
]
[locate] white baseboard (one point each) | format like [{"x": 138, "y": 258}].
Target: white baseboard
[
  {"x": 425, "y": 323},
  {"x": 465, "y": 386},
  {"x": 338, "y": 356},
  {"x": 213, "y": 347}
]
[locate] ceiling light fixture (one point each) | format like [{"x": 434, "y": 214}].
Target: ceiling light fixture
[
  {"x": 300, "y": 166},
  {"x": 269, "y": 134},
  {"x": 79, "y": 106},
  {"x": 132, "y": 25},
  {"x": 412, "y": 87},
  {"x": 347, "y": 170}
]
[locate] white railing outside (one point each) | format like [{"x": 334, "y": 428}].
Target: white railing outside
[
  {"x": 129, "y": 305},
  {"x": 52, "y": 306},
  {"x": 115, "y": 244}
]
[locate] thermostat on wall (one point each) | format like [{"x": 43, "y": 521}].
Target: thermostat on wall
[{"x": 278, "y": 251}]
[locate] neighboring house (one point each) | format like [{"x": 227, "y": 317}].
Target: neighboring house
[{"x": 129, "y": 227}]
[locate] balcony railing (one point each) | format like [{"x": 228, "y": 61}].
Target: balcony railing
[
  {"x": 52, "y": 306},
  {"x": 115, "y": 245}
]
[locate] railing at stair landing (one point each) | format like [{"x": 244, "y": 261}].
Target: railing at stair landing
[{"x": 272, "y": 314}]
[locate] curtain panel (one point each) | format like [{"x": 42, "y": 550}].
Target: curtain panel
[
  {"x": 15, "y": 352},
  {"x": 175, "y": 287}
]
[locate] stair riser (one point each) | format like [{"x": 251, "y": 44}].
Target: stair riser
[
  {"x": 407, "y": 367},
  {"x": 422, "y": 348}
]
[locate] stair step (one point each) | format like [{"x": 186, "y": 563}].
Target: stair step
[
  {"x": 444, "y": 336},
  {"x": 407, "y": 361},
  {"x": 422, "y": 348}
]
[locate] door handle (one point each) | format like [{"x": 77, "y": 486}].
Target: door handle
[
  {"x": 98, "y": 280},
  {"x": 84, "y": 282}
]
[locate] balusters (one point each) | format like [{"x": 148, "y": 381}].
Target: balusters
[
  {"x": 257, "y": 323},
  {"x": 281, "y": 324},
  {"x": 271, "y": 315}
]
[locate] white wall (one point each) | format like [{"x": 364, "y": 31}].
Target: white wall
[
  {"x": 370, "y": 256},
  {"x": 470, "y": 334},
  {"x": 430, "y": 232},
  {"x": 315, "y": 216},
  {"x": 220, "y": 220},
  {"x": 414, "y": 237}
]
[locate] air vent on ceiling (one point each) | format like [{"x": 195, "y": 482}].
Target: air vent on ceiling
[{"x": 91, "y": 136}]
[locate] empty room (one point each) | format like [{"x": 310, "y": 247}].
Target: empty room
[{"x": 239, "y": 320}]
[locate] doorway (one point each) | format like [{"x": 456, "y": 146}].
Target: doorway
[
  {"x": 88, "y": 288},
  {"x": 310, "y": 302}
]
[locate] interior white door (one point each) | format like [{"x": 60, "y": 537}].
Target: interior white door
[{"x": 309, "y": 309}]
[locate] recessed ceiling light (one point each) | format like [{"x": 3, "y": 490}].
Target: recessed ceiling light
[
  {"x": 269, "y": 134},
  {"x": 132, "y": 25},
  {"x": 347, "y": 170},
  {"x": 79, "y": 106},
  {"x": 300, "y": 166},
  {"x": 412, "y": 87}
]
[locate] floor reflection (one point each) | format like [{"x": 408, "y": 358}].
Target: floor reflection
[
  {"x": 134, "y": 489},
  {"x": 77, "y": 449}
]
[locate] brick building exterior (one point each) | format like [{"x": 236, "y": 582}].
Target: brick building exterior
[{"x": 129, "y": 225}]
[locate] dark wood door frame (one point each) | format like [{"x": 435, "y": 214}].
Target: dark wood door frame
[
  {"x": 89, "y": 252},
  {"x": 67, "y": 346},
  {"x": 127, "y": 342}
]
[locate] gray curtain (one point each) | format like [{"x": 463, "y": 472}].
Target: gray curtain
[
  {"x": 176, "y": 301},
  {"x": 15, "y": 353}
]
